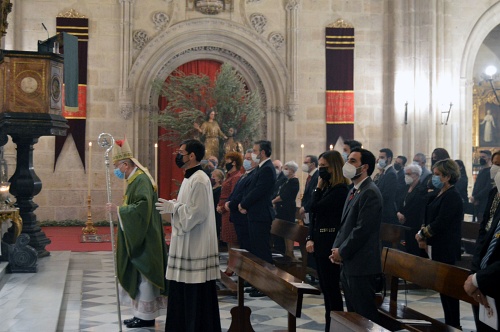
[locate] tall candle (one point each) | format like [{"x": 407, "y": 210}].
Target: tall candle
[
  {"x": 156, "y": 163},
  {"x": 89, "y": 167},
  {"x": 331, "y": 147},
  {"x": 302, "y": 160}
]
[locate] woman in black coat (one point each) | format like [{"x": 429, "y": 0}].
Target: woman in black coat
[
  {"x": 327, "y": 205},
  {"x": 441, "y": 234}
]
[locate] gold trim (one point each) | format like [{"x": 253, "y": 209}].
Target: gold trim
[
  {"x": 339, "y": 43},
  {"x": 340, "y": 48},
  {"x": 340, "y": 23},
  {"x": 340, "y": 91},
  {"x": 71, "y": 27},
  {"x": 340, "y": 122},
  {"x": 72, "y": 13},
  {"x": 342, "y": 37}
]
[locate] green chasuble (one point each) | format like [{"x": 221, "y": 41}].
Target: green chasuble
[{"x": 141, "y": 244}]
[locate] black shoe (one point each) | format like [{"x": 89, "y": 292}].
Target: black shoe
[
  {"x": 141, "y": 323},
  {"x": 249, "y": 289},
  {"x": 257, "y": 293},
  {"x": 128, "y": 321}
]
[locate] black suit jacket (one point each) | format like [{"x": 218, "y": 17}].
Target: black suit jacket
[
  {"x": 486, "y": 217},
  {"x": 413, "y": 206},
  {"x": 388, "y": 185},
  {"x": 482, "y": 187},
  {"x": 487, "y": 278},
  {"x": 327, "y": 206},
  {"x": 358, "y": 239},
  {"x": 444, "y": 216},
  {"x": 236, "y": 196},
  {"x": 257, "y": 201},
  {"x": 308, "y": 191},
  {"x": 288, "y": 193}
]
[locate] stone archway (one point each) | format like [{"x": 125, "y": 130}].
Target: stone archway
[
  {"x": 208, "y": 38},
  {"x": 486, "y": 23}
]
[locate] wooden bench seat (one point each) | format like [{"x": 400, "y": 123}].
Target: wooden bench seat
[
  {"x": 428, "y": 274},
  {"x": 280, "y": 286},
  {"x": 297, "y": 233},
  {"x": 470, "y": 232},
  {"x": 350, "y": 321}
]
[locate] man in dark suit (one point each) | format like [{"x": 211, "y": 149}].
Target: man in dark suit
[
  {"x": 239, "y": 220},
  {"x": 482, "y": 186},
  {"x": 486, "y": 262},
  {"x": 257, "y": 202},
  {"x": 399, "y": 167},
  {"x": 280, "y": 177},
  {"x": 388, "y": 185},
  {"x": 310, "y": 166},
  {"x": 357, "y": 245}
]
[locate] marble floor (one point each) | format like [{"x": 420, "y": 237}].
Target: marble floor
[{"x": 75, "y": 291}]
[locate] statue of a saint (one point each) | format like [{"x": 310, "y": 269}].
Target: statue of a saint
[
  {"x": 231, "y": 145},
  {"x": 212, "y": 132},
  {"x": 489, "y": 124}
]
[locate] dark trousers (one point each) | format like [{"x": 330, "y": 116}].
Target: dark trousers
[
  {"x": 359, "y": 292},
  {"x": 451, "y": 308},
  {"x": 260, "y": 235},
  {"x": 329, "y": 281},
  {"x": 192, "y": 307},
  {"x": 243, "y": 236}
]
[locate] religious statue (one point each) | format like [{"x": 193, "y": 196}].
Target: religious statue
[
  {"x": 489, "y": 124},
  {"x": 212, "y": 132},
  {"x": 231, "y": 145},
  {"x": 5, "y": 9}
]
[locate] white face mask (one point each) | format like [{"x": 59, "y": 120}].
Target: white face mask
[
  {"x": 497, "y": 180},
  {"x": 381, "y": 163},
  {"x": 278, "y": 172},
  {"x": 494, "y": 170},
  {"x": 349, "y": 170},
  {"x": 408, "y": 179},
  {"x": 305, "y": 168},
  {"x": 286, "y": 172},
  {"x": 416, "y": 163},
  {"x": 255, "y": 158}
]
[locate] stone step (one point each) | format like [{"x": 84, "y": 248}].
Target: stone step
[
  {"x": 3, "y": 273},
  {"x": 32, "y": 300}
]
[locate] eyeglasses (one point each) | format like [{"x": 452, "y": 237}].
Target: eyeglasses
[{"x": 119, "y": 164}]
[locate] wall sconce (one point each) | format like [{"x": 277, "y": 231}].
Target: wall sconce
[
  {"x": 490, "y": 71},
  {"x": 447, "y": 115}
]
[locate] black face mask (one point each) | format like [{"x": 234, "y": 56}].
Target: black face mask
[
  {"x": 178, "y": 160},
  {"x": 398, "y": 167},
  {"x": 229, "y": 167},
  {"x": 482, "y": 161},
  {"x": 324, "y": 174},
  {"x": 212, "y": 181}
]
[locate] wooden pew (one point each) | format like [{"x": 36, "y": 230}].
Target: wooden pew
[
  {"x": 392, "y": 234},
  {"x": 296, "y": 233},
  {"x": 470, "y": 232},
  {"x": 280, "y": 286},
  {"x": 440, "y": 277},
  {"x": 350, "y": 321}
]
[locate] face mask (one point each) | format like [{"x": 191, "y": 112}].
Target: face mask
[
  {"x": 119, "y": 174},
  {"x": 382, "y": 163},
  {"x": 415, "y": 163},
  {"x": 212, "y": 181},
  {"x": 494, "y": 170},
  {"x": 286, "y": 172},
  {"x": 305, "y": 168},
  {"x": 178, "y": 160},
  {"x": 497, "y": 179},
  {"x": 345, "y": 155},
  {"x": 229, "y": 167},
  {"x": 254, "y": 158},
  {"x": 436, "y": 182},
  {"x": 323, "y": 173},
  {"x": 247, "y": 164},
  {"x": 408, "y": 179},
  {"x": 349, "y": 171},
  {"x": 278, "y": 172},
  {"x": 398, "y": 167},
  {"x": 482, "y": 161}
]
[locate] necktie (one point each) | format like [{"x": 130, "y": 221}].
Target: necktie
[
  {"x": 353, "y": 192},
  {"x": 491, "y": 247},
  {"x": 308, "y": 180},
  {"x": 493, "y": 209}
]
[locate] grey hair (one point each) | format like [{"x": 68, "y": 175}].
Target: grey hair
[
  {"x": 249, "y": 151},
  {"x": 414, "y": 169},
  {"x": 422, "y": 157},
  {"x": 292, "y": 165}
]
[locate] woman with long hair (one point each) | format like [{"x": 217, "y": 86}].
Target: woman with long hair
[{"x": 327, "y": 206}]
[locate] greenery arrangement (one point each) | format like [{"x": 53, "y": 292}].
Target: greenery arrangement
[
  {"x": 80, "y": 223},
  {"x": 190, "y": 97}
]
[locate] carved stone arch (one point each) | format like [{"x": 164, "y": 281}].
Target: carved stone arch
[
  {"x": 209, "y": 38},
  {"x": 487, "y": 22}
]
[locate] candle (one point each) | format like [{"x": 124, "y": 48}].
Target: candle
[
  {"x": 302, "y": 159},
  {"x": 89, "y": 167},
  {"x": 331, "y": 146},
  {"x": 156, "y": 163}
]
